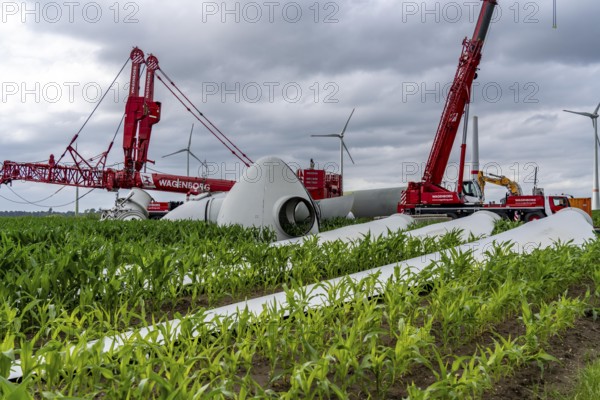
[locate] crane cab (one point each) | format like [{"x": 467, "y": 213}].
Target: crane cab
[{"x": 472, "y": 192}]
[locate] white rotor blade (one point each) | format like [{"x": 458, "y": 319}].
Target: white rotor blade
[
  {"x": 331, "y": 135},
  {"x": 585, "y": 114},
  {"x": 190, "y": 141},
  {"x": 201, "y": 162},
  {"x": 597, "y": 108},
  {"x": 345, "y": 126},
  {"x": 347, "y": 151},
  {"x": 177, "y": 152}
]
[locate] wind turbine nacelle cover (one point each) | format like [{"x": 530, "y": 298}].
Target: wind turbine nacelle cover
[
  {"x": 269, "y": 195},
  {"x": 134, "y": 206},
  {"x": 138, "y": 199}
]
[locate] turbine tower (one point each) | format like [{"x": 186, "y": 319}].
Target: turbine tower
[
  {"x": 594, "y": 117},
  {"x": 188, "y": 151},
  {"x": 342, "y": 146}
]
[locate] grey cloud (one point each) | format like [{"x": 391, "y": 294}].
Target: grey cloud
[{"x": 373, "y": 54}]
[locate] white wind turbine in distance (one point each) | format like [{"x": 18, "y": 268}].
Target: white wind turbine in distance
[
  {"x": 342, "y": 146},
  {"x": 594, "y": 117},
  {"x": 188, "y": 151}
]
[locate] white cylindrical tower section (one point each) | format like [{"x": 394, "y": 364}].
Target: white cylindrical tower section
[
  {"x": 475, "y": 151},
  {"x": 595, "y": 189}
]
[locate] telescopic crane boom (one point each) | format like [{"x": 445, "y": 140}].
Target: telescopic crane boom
[
  {"x": 428, "y": 196},
  {"x": 429, "y": 189}
]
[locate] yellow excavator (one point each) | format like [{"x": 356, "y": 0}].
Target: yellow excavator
[{"x": 513, "y": 187}]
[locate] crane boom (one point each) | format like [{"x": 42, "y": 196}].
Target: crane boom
[
  {"x": 458, "y": 96},
  {"x": 141, "y": 113},
  {"x": 134, "y": 110},
  {"x": 109, "y": 179},
  {"x": 428, "y": 196},
  {"x": 429, "y": 190},
  {"x": 151, "y": 114}
]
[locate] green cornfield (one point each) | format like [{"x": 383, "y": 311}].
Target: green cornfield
[{"x": 437, "y": 334}]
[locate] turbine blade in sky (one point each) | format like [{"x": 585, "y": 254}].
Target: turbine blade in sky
[
  {"x": 345, "y": 126},
  {"x": 585, "y": 114},
  {"x": 190, "y": 141},
  {"x": 201, "y": 162},
  {"x": 177, "y": 152},
  {"x": 347, "y": 151}
]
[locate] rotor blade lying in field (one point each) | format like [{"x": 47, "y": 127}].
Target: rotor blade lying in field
[
  {"x": 569, "y": 225},
  {"x": 477, "y": 224}
]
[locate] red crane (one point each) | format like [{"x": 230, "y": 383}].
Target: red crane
[
  {"x": 141, "y": 113},
  {"x": 429, "y": 191},
  {"x": 428, "y": 196}
]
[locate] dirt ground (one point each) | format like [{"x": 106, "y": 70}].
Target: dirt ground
[{"x": 574, "y": 349}]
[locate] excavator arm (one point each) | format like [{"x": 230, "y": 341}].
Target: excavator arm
[{"x": 513, "y": 187}]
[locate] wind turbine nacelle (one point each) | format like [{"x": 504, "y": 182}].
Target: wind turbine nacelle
[
  {"x": 134, "y": 206},
  {"x": 270, "y": 195},
  {"x": 204, "y": 207},
  {"x": 138, "y": 199}
]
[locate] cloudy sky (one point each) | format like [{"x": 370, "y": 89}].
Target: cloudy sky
[{"x": 271, "y": 73}]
